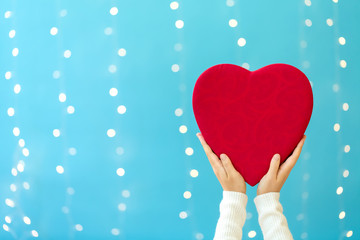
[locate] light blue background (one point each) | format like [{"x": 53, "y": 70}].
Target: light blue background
[{"x": 156, "y": 166}]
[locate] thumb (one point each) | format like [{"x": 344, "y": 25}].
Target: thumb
[{"x": 274, "y": 165}]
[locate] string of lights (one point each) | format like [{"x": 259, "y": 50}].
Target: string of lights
[
  {"x": 19, "y": 186},
  {"x": 340, "y": 63}
]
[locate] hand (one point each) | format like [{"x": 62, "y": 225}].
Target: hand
[
  {"x": 229, "y": 178},
  {"x": 276, "y": 177}
]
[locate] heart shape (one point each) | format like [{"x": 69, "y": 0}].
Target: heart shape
[{"x": 251, "y": 115}]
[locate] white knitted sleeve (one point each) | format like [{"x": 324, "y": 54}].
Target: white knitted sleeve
[
  {"x": 232, "y": 216},
  {"x": 271, "y": 219}
]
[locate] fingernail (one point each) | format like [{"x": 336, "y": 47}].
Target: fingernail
[
  {"x": 222, "y": 156},
  {"x": 277, "y": 157}
]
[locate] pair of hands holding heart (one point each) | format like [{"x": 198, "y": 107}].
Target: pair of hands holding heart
[{"x": 231, "y": 180}]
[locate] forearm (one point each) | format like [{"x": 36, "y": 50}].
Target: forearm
[
  {"x": 271, "y": 218},
  {"x": 232, "y": 216}
]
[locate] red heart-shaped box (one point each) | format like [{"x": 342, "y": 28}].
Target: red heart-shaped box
[{"x": 252, "y": 115}]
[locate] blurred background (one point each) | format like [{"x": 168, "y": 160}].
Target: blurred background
[{"x": 97, "y": 128}]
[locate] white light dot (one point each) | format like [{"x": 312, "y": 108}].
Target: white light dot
[
  {"x": 65, "y": 210},
  {"x": 179, "y": 24},
  {"x": 121, "y": 109},
  {"x": 183, "y": 215},
  {"x": 246, "y": 66},
  {"x": 335, "y": 1},
  {"x": 230, "y": 3},
  {"x": 183, "y": 129},
  {"x": 111, "y": 133},
  {"x": 345, "y": 106},
  {"x": 336, "y": 87},
  {"x": 56, "y": 132},
  {"x": 178, "y": 112},
  {"x": 241, "y": 42},
  {"x": 339, "y": 190},
  {"x": 329, "y": 22},
  {"x": 63, "y": 13},
  {"x": 72, "y": 151},
  {"x": 60, "y": 169},
  {"x": 21, "y": 165},
  {"x": 304, "y": 235},
  {"x": 16, "y": 131},
  {"x": 187, "y": 195},
  {"x": 120, "y": 172},
  {"x": 13, "y": 187},
  {"x": 346, "y": 173},
  {"x": 342, "y": 40},
  {"x": 15, "y": 52},
  {"x": 306, "y": 177},
  {"x": 305, "y": 195},
  {"x": 349, "y": 233},
  {"x": 7, "y": 14},
  {"x": 12, "y": 33},
  {"x": 233, "y": 23},
  {"x": 78, "y": 227},
  {"x": 252, "y": 234},
  {"x": 112, "y": 68},
  {"x": 21, "y": 142},
  {"x": 119, "y": 151},
  {"x": 178, "y": 47},
  {"x": 53, "y": 31},
  {"x": 308, "y": 22},
  {"x": 113, "y": 92},
  {"x": 14, "y": 172},
  {"x": 7, "y": 75},
  {"x": 115, "y": 231},
  {"x": 11, "y": 111},
  {"x": 7, "y": 219},
  {"x": 34, "y": 233},
  {"x": 347, "y": 148},
  {"x": 17, "y": 88},
  {"x": 62, "y": 97},
  {"x": 306, "y": 64},
  {"x": 70, "y": 109},
  {"x": 174, "y": 5},
  {"x": 194, "y": 173},
  {"x": 126, "y": 193},
  {"x": 342, "y": 215},
  {"x": 9, "y": 202},
  {"x": 25, "y": 152},
  {"x": 67, "y": 54},
  {"x": 27, "y": 220},
  {"x": 26, "y": 185},
  {"x": 308, "y": 3},
  {"x": 70, "y": 191},
  {"x": 5, "y": 227},
  {"x": 56, "y": 74},
  {"x": 303, "y": 44},
  {"x": 189, "y": 151},
  {"x": 343, "y": 63},
  {"x": 114, "y": 11},
  {"x": 122, "y": 207},
  {"x": 175, "y": 68},
  {"x": 108, "y": 31},
  {"x": 336, "y": 127},
  {"x": 122, "y": 52}
]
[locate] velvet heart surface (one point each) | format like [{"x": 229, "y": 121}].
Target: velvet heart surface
[{"x": 252, "y": 115}]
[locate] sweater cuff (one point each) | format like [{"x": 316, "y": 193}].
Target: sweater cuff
[
  {"x": 267, "y": 200},
  {"x": 239, "y": 199}
]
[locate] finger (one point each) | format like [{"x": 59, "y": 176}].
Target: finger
[
  {"x": 228, "y": 166},
  {"x": 274, "y": 165},
  {"x": 213, "y": 159},
  {"x": 288, "y": 165}
]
